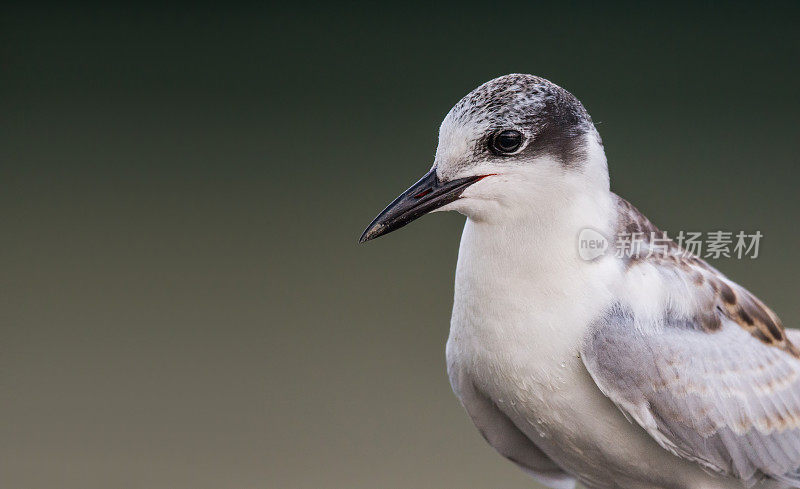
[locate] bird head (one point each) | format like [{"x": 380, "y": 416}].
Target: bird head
[{"x": 516, "y": 145}]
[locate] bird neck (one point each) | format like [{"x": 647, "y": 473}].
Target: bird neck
[
  {"x": 525, "y": 279},
  {"x": 538, "y": 249}
]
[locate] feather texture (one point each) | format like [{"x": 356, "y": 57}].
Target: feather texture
[{"x": 722, "y": 398}]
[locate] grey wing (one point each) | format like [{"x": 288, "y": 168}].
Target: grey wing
[{"x": 722, "y": 399}]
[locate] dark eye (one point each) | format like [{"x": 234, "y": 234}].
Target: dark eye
[{"x": 506, "y": 142}]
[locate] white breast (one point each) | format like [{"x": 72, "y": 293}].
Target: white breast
[
  {"x": 521, "y": 311},
  {"x": 518, "y": 322}
]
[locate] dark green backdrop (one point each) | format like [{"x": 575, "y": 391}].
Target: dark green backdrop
[{"x": 182, "y": 300}]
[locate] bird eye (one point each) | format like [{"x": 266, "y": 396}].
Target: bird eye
[{"x": 506, "y": 142}]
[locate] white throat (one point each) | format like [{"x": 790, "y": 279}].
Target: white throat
[
  {"x": 519, "y": 273},
  {"x": 525, "y": 221}
]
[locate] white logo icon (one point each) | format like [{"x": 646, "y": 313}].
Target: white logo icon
[{"x": 591, "y": 244}]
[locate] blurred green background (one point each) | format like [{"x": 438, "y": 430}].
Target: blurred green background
[{"x": 182, "y": 300}]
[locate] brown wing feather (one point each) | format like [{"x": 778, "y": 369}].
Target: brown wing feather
[{"x": 727, "y": 299}]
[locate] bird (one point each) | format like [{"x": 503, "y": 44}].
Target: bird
[{"x": 648, "y": 369}]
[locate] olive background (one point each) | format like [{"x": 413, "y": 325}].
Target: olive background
[{"x": 183, "y": 303}]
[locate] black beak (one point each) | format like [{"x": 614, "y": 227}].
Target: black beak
[{"x": 428, "y": 194}]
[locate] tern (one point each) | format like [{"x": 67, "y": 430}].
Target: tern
[{"x": 640, "y": 370}]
